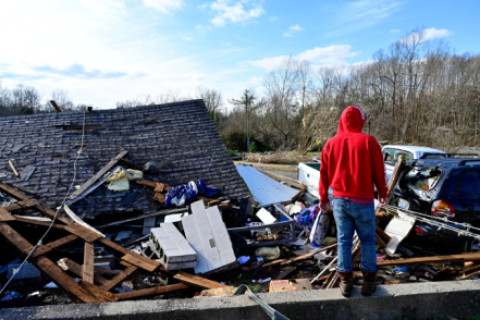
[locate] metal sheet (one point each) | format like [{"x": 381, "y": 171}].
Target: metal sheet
[{"x": 266, "y": 190}]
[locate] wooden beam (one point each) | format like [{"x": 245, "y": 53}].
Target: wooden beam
[
  {"x": 10, "y": 163},
  {"x": 82, "y": 232},
  {"x": 284, "y": 179},
  {"x": 398, "y": 172},
  {"x": 132, "y": 257},
  {"x": 55, "y": 106},
  {"x": 69, "y": 265},
  {"x": 88, "y": 261},
  {"x": 197, "y": 281},
  {"x": 151, "y": 291},
  {"x": 5, "y": 215},
  {"x": 462, "y": 257},
  {"x": 145, "y": 182},
  {"x": 39, "y": 223},
  {"x": 27, "y": 203},
  {"x": 14, "y": 192},
  {"x": 46, "y": 248},
  {"x": 119, "y": 278},
  {"x": 98, "y": 175},
  {"x": 382, "y": 235}
]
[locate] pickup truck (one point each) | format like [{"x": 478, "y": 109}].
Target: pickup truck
[
  {"x": 391, "y": 154},
  {"x": 309, "y": 172}
]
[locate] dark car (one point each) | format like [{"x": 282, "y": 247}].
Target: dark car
[{"x": 446, "y": 195}]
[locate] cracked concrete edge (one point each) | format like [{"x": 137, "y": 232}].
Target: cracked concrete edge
[{"x": 426, "y": 300}]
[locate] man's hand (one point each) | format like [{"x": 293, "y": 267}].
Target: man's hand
[
  {"x": 324, "y": 206},
  {"x": 383, "y": 201}
]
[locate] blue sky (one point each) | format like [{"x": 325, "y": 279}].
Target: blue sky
[{"x": 104, "y": 51}]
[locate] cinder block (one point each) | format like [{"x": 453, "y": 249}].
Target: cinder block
[
  {"x": 207, "y": 234},
  {"x": 172, "y": 248}
]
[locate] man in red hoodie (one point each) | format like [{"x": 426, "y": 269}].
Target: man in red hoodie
[{"x": 351, "y": 163}]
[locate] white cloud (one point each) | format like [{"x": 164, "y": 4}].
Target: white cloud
[
  {"x": 426, "y": 35},
  {"x": 332, "y": 55},
  {"x": 165, "y": 6},
  {"x": 292, "y": 30},
  {"x": 235, "y": 11},
  {"x": 362, "y": 14}
]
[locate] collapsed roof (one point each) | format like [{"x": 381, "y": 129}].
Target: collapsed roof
[{"x": 172, "y": 143}]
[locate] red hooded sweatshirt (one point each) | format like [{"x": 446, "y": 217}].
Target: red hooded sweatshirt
[{"x": 352, "y": 161}]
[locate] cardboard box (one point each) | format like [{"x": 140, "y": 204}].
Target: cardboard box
[{"x": 290, "y": 285}]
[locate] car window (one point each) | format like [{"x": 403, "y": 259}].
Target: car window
[
  {"x": 391, "y": 155},
  {"x": 468, "y": 183},
  {"x": 434, "y": 156}
]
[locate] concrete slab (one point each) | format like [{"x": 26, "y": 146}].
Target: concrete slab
[{"x": 429, "y": 300}]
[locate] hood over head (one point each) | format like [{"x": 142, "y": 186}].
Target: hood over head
[{"x": 352, "y": 120}]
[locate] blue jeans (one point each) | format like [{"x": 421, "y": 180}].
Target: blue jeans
[{"x": 349, "y": 217}]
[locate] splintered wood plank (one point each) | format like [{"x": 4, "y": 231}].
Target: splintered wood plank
[
  {"x": 119, "y": 278},
  {"x": 46, "y": 248},
  {"x": 132, "y": 257},
  {"x": 69, "y": 265},
  {"x": 88, "y": 260},
  {"x": 462, "y": 257},
  {"x": 197, "y": 281},
  {"x": 98, "y": 175},
  {"x": 5, "y": 215},
  {"x": 151, "y": 291}
]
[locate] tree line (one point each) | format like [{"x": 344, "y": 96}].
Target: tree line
[{"x": 416, "y": 91}]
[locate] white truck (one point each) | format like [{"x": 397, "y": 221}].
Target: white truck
[
  {"x": 391, "y": 154},
  {"x": 309, "y": 172}
]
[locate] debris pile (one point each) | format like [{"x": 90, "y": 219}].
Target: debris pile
[
  {"x": 281, "y": 247},
  {"x": 142, "y": 228}
]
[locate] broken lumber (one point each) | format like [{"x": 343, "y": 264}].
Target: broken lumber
[
  {"x": 198, "y": 281},
  {"x": 68, "y": 265},
  {"x": 97, "y": 176},
  {"x": 151, "y": 291},
  {"x": 55, "y": 106},
  {"x": 397, "y": 174},
  {"x": 119, "y": 278},
  {"x": 462, "y": 257},
  {"x": 10, "y": 163},
  {"x": 88, "y": 260}
]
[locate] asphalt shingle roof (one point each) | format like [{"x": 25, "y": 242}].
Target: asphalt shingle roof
[{"x": 180, "y": 137}]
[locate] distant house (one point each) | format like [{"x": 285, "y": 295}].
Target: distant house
[{"x": 180, "y": 138}]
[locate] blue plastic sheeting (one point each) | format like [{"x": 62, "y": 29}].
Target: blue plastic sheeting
[{"x": 266, "y": 190}]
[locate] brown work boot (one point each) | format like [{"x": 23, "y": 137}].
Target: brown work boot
[
  {"x": 369, "y": 285},
  {"x": 346, "y": 282}
]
